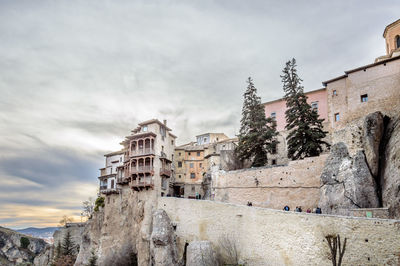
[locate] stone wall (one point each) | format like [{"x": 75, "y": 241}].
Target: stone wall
[
  {"x": 296, "y": 184},
  {"x": 273, "y": 237}
]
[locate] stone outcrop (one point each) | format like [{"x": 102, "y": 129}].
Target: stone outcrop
[
  {"x": 163, "y": 242},
  {"x": 201, "y": 253},
  {"x": 346, "y": 182},
  {"x": 373, "y": 130},
  {"x": 390, "y": 177},
  {"x": 11, "y": 251}
]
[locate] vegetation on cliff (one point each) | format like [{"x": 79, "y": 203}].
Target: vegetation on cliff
[
  {"x": 257, "y": 135},
  {"x": 306, "y": 134}
]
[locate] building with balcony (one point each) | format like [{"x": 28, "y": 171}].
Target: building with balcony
[
  {"x": 113, "y": 170},
  {"x": 194, "y": 160},
  {"x": 148, "y": 157}
]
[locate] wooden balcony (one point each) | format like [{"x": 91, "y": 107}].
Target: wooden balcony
[
  {"x": 122, "y": 180},
  {"x": 107, "y": 191},
  {"x": 142, "y": 183},
  {"x": 165, "y": 172},
  {"x": 142, "y": 152},
  {"x": 142, "y": 169}
]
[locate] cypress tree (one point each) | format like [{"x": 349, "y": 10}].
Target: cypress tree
[
  {"x": 257, "y": 135},
  {"x": 305, "y": 129}
]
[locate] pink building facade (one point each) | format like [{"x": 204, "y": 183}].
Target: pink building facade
[{"x": 317, "y": 99}]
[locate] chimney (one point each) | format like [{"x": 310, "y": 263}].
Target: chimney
[{"x": 165, "y": 122}]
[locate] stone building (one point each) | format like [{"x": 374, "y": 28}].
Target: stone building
[
  {"x": 276, "y": 109},
  {"x": 369, "y": 88},
  {"x": 114, "y": 164},
  {"x": 144, "y": 163},
  {"x": 193, "y": 160}
]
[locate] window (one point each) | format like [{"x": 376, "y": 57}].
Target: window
[
  {"x": 144, "y": 128},
  {"x": 198, "y": 153},
  {"x": 179, "y": 164},
  {"x": 112, "y": 183},
  {"x": 193, "y": 188},
  {"x": 180, "y": 176},
  {"x": 172, "y": 142},
  {"x": 337, "y": 117},
  {"x": 273, "y": 150},
  {"x": 273, "y": 115},
  {"x": 205, "y": 140},
  {"x": 274, "y": 162},
  {"x": 179, "y": 154},
  {"x": 201, "y": 164},
  {"x": 397, "y": 41},
  {"x": 334, "y": 93},
  {"x": 192, "y": 175},
  {"x": 189, "y": 153},
  {"x": 191, "y": 165},
  {"x": 162, "y": 148},
  {"x": 314, "y": 106},
  {"x": 364, "y": 98}
]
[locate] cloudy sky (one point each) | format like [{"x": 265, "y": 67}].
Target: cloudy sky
[{"x": 76, "y": 76}]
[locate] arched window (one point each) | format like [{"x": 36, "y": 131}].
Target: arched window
[{"x": 397, "y": 41}]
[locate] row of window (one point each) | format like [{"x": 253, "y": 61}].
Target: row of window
[
  {"x": 314, "y": 106},
  {"x": 191, "y": 165},
  {"x": 192, "y": 175}
]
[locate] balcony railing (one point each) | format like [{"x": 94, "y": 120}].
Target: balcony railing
[
  {"x": 165, "y": 172},
  {"x": 143, "y": 182},
  {"x": 142, "y": 169},
  {"x": 143, "y": 151}
]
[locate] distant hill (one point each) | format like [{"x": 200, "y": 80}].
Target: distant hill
[{"x": 45, "y": 233}]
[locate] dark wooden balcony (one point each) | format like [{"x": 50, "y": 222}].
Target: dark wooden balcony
[{"x": 142, "y": 183}]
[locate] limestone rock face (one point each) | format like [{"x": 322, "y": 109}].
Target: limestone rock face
[
  {"x": 11, "y": 252},
  {"x": 373, "y": 131},
  {"x": 201, "y": 253},
  {"x": 391, "y": 170},
  {"x": 163, "y": 242},
  {"x": 346, "y": 182}
]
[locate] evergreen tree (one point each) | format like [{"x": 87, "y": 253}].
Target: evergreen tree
[
  {"x": 257, "y": 135},
  {"x": 58, "y": 250},
  {"x": 92, "y": 259},
  {"x": 305, "y": 129},
  {"x": 68, "y": 247}
]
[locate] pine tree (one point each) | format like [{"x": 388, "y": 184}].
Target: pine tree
[
  {"x": 68, "y": 247},
  {"x": 257, "y": 135},
  {"x": 58, "y": 250},
  {"x": 305, "y": 129},
  {"x": 92, "y": 259}
]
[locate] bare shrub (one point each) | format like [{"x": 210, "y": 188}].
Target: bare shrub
[
  {"x": 335, "y": 245},
  {"x": 229, "y": 250}
]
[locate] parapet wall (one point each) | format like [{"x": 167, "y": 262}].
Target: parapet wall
[
  {"x": 273, "y": 237},
  {"x": 296, "y": 184}
]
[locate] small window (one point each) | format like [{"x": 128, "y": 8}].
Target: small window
[
  {"x": 144, "y": 128},
  {"x": 274, "y": 162},
  {"x": 192, "y": 175},
  {"x": 201, "y": 165},
  {"x": 172, "y": 142},
  {"x": 273, "y": 115},
  {"x": 205, "y": 140},
  {"x": 162, "y": 148},
  {"x": 179, "y": 164},
  {"x": 364, "y": 98},
  {"x": 334, "y": 93},
  {"x": 189, "y": 153},
  {"x": 193, "y": 188},
  {"x": 191, "y": 165},
  {"x": 179, "y": 154},
  {"x": 337, "y": 117},
  {"x": 180, "y": 176},
  {"x": 397, "y": 41},
  {"x": 314, "y": 106},
  {"x": 198, "y": 153}
]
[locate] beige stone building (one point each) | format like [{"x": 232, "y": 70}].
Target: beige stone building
[
  {"x": 193, "y": 160},
  {"x": 145, "y": 162},
  {"x": 369, "y": 88}
]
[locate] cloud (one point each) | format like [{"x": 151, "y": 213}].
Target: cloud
[{"x": 75, "y": 78}]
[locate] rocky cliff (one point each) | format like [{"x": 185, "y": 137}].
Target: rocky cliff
[
  {"x": 13, "y": 251},
  {"x": 363, "y": 169}
]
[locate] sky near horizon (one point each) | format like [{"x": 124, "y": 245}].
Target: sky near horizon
[{"x": 77, "y": 76}]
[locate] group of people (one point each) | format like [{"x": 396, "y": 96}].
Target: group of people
[{"x": 298, "y": 209}]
